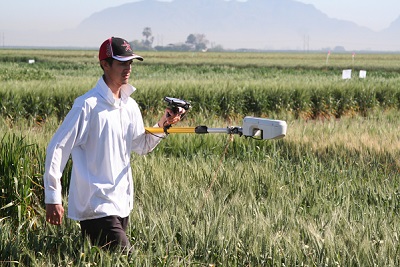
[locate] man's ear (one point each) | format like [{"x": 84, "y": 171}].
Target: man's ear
[{"x": 104, "y": 64}]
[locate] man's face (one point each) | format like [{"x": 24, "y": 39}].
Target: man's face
[{"x": 119, "y": 72}]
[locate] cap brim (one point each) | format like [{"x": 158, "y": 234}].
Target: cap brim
[{"x": 134, "y": 56}]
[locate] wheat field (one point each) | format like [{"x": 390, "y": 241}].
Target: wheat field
[{"x": 328, "y": 194}]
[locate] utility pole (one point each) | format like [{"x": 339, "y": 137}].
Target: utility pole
[
  {"x": 160, "y": 40},
  {"x": 306, "y": 42}
]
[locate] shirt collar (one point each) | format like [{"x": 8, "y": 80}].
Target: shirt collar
[{"x": 105, "y": 91}]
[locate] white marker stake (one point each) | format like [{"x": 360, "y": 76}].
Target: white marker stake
[
  {"x": 363, "y": 74},
  {"x": 327, "y": 58}
]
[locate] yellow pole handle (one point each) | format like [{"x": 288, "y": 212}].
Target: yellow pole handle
[{"x": 157, "y": 130}]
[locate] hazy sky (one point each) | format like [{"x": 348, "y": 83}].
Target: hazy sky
[
  {"x": 374, "y": 14},
  {"x": 66, "y": 14}
]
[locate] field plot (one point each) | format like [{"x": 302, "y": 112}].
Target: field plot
[{"x": 328, "y": 194}]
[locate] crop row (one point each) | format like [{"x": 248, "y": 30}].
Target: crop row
[{"x": 301, "y": 103}]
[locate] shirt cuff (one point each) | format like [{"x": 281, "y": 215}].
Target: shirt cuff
[{"x": 52, "y": 197}]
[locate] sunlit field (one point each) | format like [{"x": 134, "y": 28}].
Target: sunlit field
[{"x": 328, "y": 194}]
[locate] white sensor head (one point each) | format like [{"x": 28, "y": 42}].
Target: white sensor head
[{"x": 270, "y": 129}]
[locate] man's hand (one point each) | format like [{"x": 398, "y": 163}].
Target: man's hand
[
  {"x": 54, "y": 213},
  {"x": 170, "y": 117}
]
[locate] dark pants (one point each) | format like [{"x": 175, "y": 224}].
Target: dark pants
[{"x": 107, "y": 232}]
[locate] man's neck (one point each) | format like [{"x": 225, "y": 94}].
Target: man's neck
[{"x": 115, "y": 89}]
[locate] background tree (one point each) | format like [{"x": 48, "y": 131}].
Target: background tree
[
  {"x": 149, "y": 37},
  {"x": 198, "y": 41},
  {"x": 191, "y": 39}
]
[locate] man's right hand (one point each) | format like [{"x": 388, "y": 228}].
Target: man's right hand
[
  {"x": 54, "y": 213},
  {"x": 170, "y": 117}
]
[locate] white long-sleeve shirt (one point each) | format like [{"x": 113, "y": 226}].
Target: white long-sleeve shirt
[{"x": 100, "y": 134}]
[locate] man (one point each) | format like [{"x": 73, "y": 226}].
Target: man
[{"x": 100, "y": 131}]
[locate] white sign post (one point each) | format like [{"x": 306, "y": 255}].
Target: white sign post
[
  {"x": 363, "y": 74},
  {"x": 346, "y": 74}
]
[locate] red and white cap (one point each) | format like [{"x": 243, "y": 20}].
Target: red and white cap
[{"x": 117, "y": 48}]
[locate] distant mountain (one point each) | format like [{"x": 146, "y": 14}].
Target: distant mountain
[
  {"x": 254, "y": 24},
  {"x": 260, "y": 24}
]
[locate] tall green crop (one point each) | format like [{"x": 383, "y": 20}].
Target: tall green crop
[{"x": 21, "y": 166}]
